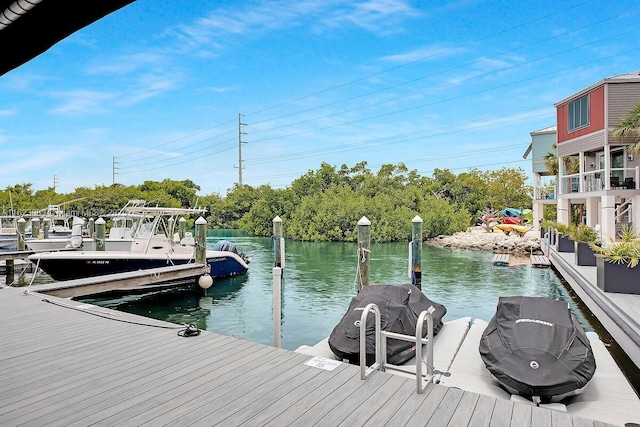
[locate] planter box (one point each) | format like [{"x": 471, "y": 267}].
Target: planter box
[
  {"x": 584, "y": 254},
  {"x": 565, "y": 244},
  {"x": 617, "y": 278}
]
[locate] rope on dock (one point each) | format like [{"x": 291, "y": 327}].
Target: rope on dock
[
  {"x": 105, "y": 315},
  {"x": 361, "y": 259}
]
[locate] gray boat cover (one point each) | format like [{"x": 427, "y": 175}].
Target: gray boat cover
[
  {"x": 400, "y": 306},
  {"x": 536, "y": 347}
]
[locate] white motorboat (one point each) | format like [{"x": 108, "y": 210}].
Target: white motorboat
[
  {"x": 119, "y": 237},
  {"x": 152, "y": 246}
]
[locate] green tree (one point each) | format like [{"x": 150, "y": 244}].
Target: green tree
[{"x": 506, "y": 188}]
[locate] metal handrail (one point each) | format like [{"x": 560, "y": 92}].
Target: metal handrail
[
  {"x": 425, "y": 315},
  {"x": 381, "y": 345},
  {"x": 624, "y": 209},
  {"x": 364, "y": 371}
]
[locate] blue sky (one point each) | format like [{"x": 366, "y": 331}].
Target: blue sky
[{"x": 154, "y": 90}]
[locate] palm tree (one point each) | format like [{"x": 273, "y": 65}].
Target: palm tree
[
  {"x": 551, "y": 161},
  {"x": 571, "y": 164},
  {"x": 629, "y": 128}
]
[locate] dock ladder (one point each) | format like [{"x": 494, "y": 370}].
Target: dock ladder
[{"x": 380, "y": 363}]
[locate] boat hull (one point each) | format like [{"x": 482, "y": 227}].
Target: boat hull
[{"x": 77, "y": 265}]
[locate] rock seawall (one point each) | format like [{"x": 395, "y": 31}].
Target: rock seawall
[{"x": 497, "y": 241}]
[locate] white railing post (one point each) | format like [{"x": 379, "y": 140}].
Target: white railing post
[
  {"x": 425, "y": 315},
  {"x": 364, "y": 371},
  {"x": 277, "y": 304}
]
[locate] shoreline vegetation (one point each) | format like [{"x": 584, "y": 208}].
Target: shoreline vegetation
[{"x": 324, "y": 205}]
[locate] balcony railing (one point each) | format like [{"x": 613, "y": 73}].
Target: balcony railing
[
  {"x": 546, "y": 192},
  {"x": 620, "y": 179}
]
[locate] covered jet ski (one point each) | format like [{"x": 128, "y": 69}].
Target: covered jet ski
[
  {"x": 536, "y": 348},
  {"x": 400, "y": 306}
]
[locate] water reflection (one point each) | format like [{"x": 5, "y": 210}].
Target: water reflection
[{"x": 319, "y": 282}]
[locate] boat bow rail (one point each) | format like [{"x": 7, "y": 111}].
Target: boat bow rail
[{"x": 381, "y": 364}]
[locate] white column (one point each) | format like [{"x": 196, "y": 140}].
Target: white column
[
  {"x": 635, "y": 213},
  {"x": 538, "y": 215},
  {"x": 608, "y": 225},
  {"x": 563, "y": 211},
  {"x": 592, "y": 211},
  {"x": 607, "y": 168},
  {"x": 561, "y": 173},
  {"x": 581, "y": 177}
]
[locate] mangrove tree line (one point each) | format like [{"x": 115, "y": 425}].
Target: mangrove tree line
[{"x": 321, "y": 205}]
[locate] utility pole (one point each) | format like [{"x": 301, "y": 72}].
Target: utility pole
[
  {"x": 113, "y": 170},
  {"x": 240, "y": 142}
]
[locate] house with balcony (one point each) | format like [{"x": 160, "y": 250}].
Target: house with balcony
[
  {"x": 606, "y": 180},
  {"x": 543, "y": 141}
]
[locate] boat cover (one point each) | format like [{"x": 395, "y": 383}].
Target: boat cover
[
  {"x": 400, "y": 306},
  {"x": 536, "y": 347}
]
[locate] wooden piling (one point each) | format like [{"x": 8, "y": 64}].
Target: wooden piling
[
  {"x": 170, "y": 228},
  {"x": 364, "y": 252},
  {"x": 277, "y": 242},
  {"x": 92, "y": 227},
  {"x": 201, "y": 241},
  {"x": 9, "y": 267},
  {"x": 100, "y": 234},
  {"x": 22, "y": 226},
  {"x": 35, "y": 228},
  {"x": 182, "y": 227},
  {"x": 416, "y": 251},
  {"x": 45, "y": 227}
]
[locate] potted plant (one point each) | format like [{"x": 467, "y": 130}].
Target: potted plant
[
  {"x": 582, "y": 235},
  {"x": 617, "y": 264},
  {"x": 564, "y": 243}
]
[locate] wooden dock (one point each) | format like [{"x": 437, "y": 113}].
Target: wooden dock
[
  {"x": 501, "y": 260},
  {"x": 540, "y": 261},
  {"x": 150, "y": 278},
  {"x": 66, "y": 363}
]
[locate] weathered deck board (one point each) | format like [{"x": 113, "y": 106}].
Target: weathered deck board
[{"x": 74, "y": 367}]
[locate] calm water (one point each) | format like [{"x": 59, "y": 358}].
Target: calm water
[{"x": 319, "y": 282}]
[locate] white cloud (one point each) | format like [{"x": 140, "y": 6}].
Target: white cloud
[{"x": 81, "y": 101}]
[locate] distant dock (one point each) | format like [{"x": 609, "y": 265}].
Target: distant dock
[
  {"x": 540, "y": 261},
  {"x": 501, "y": 260}
]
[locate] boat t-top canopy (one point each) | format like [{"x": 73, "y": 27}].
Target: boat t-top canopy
[{"x": 162, "y": 211}]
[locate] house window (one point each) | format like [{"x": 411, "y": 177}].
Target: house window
[{"x": 579, "y": 113}]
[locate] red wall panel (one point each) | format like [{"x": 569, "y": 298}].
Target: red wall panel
[{"x": 596, "y": 117}]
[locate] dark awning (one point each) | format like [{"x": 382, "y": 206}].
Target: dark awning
[{"x": 29, "y": 27}]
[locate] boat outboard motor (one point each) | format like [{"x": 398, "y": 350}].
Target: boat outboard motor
[
  {"x": 400, "y": 306},
  {"x": 227, "y": 246},
  {"x": 76, "y": 233},
  {"x": 535, "y": 347}
]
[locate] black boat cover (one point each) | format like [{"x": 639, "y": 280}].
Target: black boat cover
[
  {"x": 400, "y": 306},
  {"x": 536, "y": 347}
]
